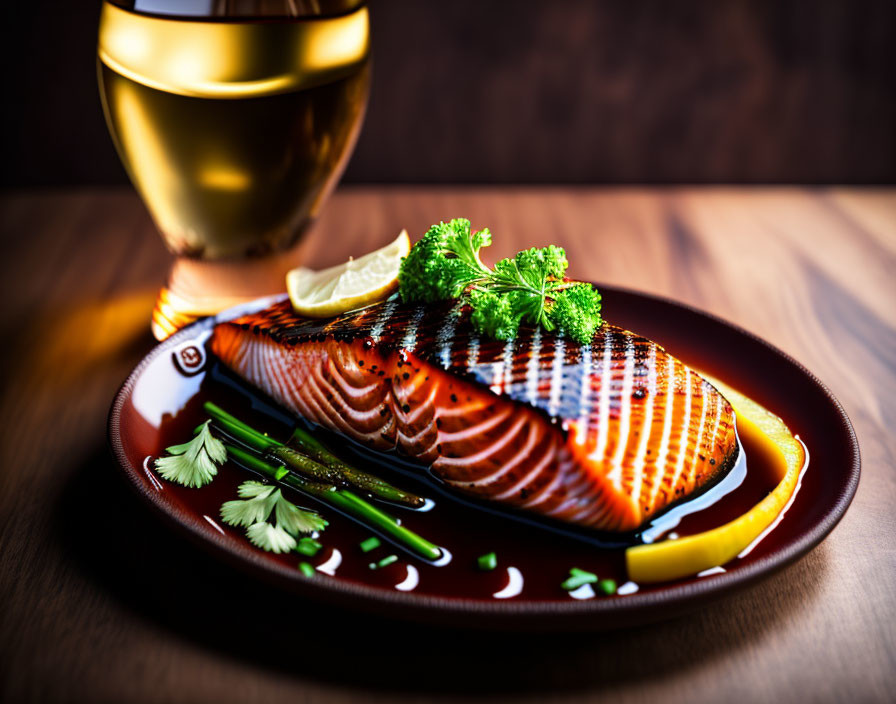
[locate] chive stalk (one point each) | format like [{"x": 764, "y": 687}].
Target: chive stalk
[
  {"x": 372, "y": 543},
  {"x": 385, "y": 562},
  {"x": 343, "y": 499},
  {"x": 240, "y": 430},
  {"x": 388, "y": 560},
  {"x": 308, "y": 546}
]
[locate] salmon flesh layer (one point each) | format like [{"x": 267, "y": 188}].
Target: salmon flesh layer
[{"x": 604, "y": 435}]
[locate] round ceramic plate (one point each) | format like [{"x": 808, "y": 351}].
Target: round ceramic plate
[{"x": 173, "y": 373}]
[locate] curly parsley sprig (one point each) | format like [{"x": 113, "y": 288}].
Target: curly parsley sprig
[{"x": 529, "y": 288}]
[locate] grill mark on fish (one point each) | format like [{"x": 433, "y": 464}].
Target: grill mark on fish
[
  {"x": 472, "y": 354},
  {"x": 644, "y": 434},
  {"x": 603, "y": 423},
  {"x": 686, "y": 421},
  {"x": 376, "y": 332},
  {"x": 698, "y": 446},
  {"x": 584, "y": 396},
  {"x": 557, "y": 376},
  {"x": 628, "y": 440},
  {"x": 615, "y": 474},
  {"x": 446, "y": 335},
  {"x": 668, "y": 411},
  {"x": 409, "y": 341},
  {"x": 506, "y": 368},
  {"x": 533, "y": 367}
]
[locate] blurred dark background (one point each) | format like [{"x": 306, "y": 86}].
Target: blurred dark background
[{"x": 535, "y": 91}]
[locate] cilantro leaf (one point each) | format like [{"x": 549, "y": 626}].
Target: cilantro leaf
[
  {"x": 296, "y": 520},
  {"x": 249, "y": 511},
  {"x": 193, "y": 463},
  {"x": 270, "y": 538},
  {"x": 254, "y": 512}
]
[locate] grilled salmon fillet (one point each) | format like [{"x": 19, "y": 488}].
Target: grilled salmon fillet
[{"x": 604, "y": 435}]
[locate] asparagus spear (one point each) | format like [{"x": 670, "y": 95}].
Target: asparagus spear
[
  {"x": 343, "y": 499},
  {"x": 311, "y": 458},
  {"x": 309, "y": 445}
]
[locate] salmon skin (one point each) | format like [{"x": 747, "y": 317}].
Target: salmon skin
[{"x": 604, "y": 436}]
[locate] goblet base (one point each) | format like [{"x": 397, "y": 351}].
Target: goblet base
[{"x": 198, "y": 288}]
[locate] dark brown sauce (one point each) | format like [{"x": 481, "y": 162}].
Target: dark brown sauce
[{"x": 542, "y": 556}]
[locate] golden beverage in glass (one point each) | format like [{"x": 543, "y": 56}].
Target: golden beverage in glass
[{"x": 234, "y": 120}]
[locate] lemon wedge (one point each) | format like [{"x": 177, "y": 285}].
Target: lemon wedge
[
  {"x": 350, "y": 285},
  {"x": 673, "y": 559}
]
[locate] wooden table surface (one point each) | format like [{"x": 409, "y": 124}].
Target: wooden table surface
[{"x": 100, "y": 601}]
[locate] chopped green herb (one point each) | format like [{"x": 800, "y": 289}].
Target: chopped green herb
[
  {"x": 372, "y": 543},
  {"x": 388, "y": 560},
  {"x": 578, "y": 578},
  {"x": 193, "y": 463},
  {"x": 308, "y": 546},
  {"x": 306, "y": 569},
  {"x": 385, "y": 562},
  {"x": 487, "y": 562},
  {"x": 529, "y": 288},
  {"x": 607, "y": 586}
]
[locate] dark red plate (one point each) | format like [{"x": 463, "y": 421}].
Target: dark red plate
[{"x": 169, "y": 376}]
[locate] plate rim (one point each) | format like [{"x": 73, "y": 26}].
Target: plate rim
[{"x": 627, "y": 610}]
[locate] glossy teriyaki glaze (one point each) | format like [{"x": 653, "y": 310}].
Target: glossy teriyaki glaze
[
  {"x": 533, "y": 557},
  {"x": 604, "y": 435}
]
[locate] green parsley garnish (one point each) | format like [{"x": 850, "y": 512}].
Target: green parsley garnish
[
  {"x": 306, "y": 569},
  {"x": 193, "y": 463},
  {"x": 254, "y": 510},
  {"x": 528, "y": 288}
]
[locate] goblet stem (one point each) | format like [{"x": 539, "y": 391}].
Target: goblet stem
[{"x": 198, "y": 288}]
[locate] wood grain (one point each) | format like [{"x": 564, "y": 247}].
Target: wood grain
[{"x": 92, "y": 586}]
